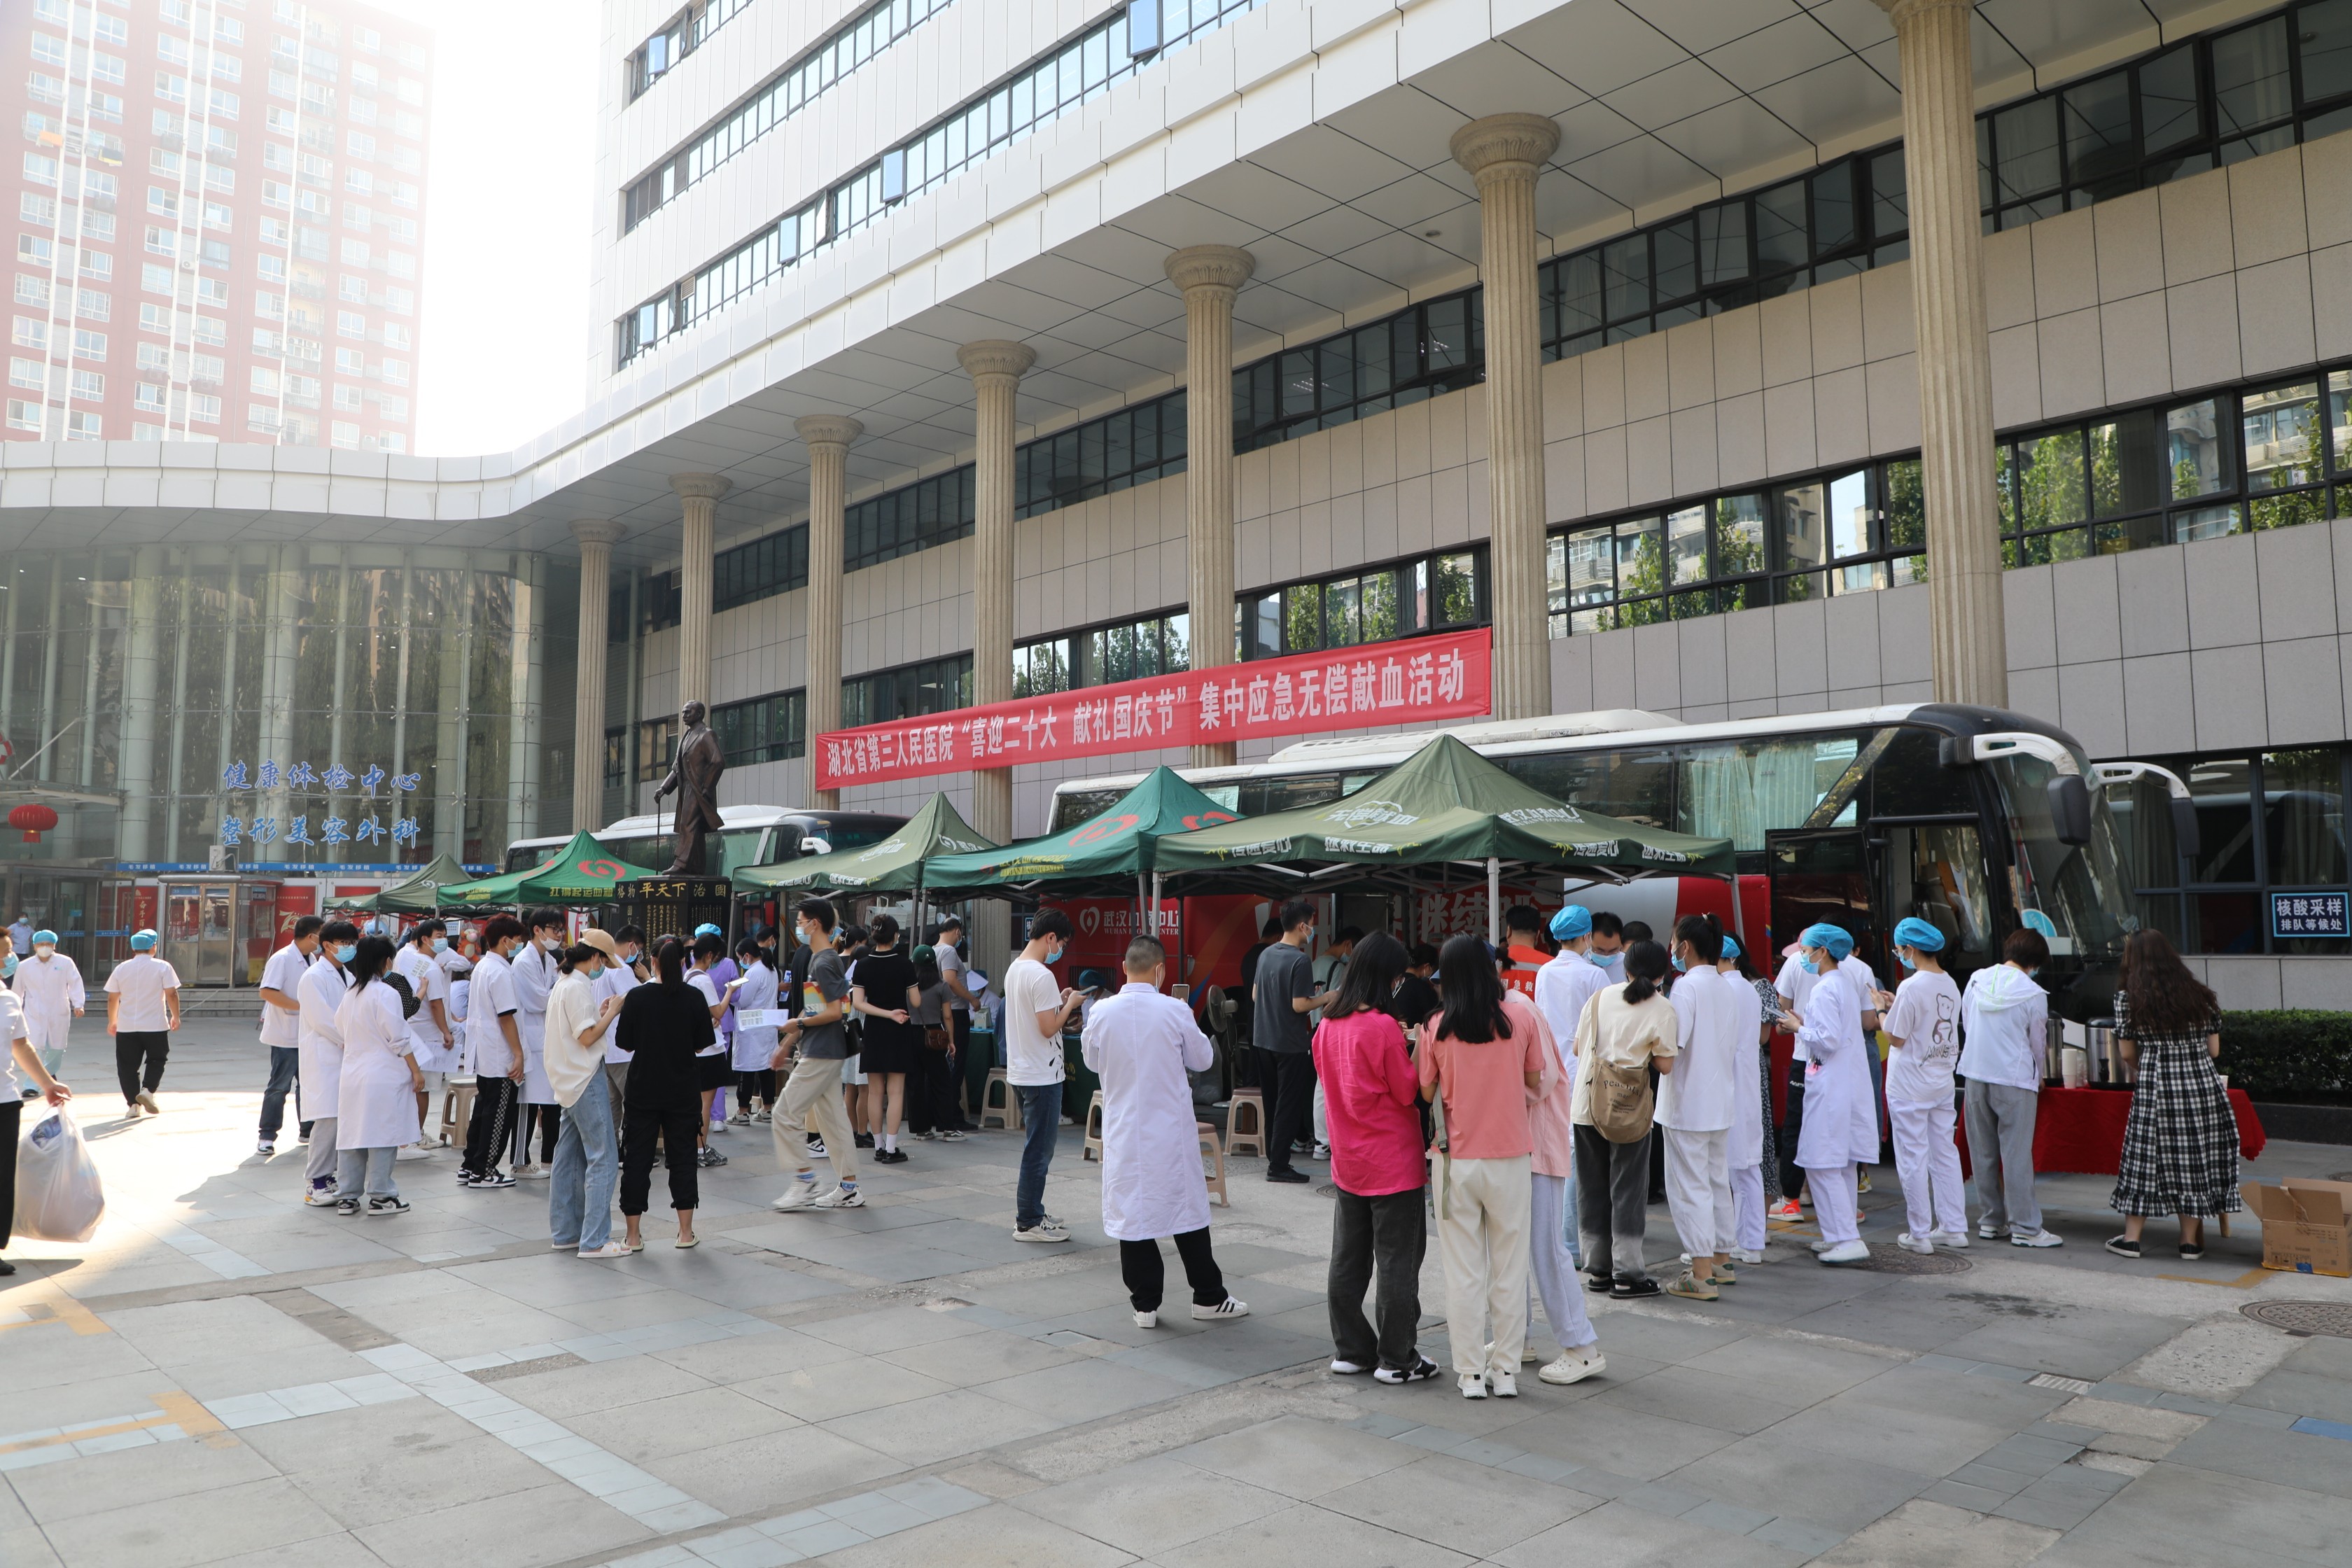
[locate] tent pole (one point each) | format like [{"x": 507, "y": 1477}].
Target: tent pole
[
  {"x": 1152, "y": 927},
  {"x": 1494, "y": 900}
]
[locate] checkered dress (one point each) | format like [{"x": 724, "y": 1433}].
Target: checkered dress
[
  {"x": 1773, "y": 1194},
  {"x": 2180, "y": 1143}
]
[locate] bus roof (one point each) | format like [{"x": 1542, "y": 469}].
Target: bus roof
[{"x": 728, "y": 816}]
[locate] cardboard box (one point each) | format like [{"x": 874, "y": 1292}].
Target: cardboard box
[{"x": 2305, "y": 1224}]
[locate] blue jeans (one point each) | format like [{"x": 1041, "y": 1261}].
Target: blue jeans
[
  {"x": 371, "y": 1168},
  {"x": 1041, "y": 1117},
  {"x": 284, "y": 1061},
  {"x": 579, "y": 1188}
]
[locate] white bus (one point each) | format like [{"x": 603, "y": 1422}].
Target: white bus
[
  {"x": 1976, "y": 820},
  {"x": 749, "y": 836}
]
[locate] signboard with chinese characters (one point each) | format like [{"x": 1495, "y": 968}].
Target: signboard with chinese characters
[
  {"x": 359, "y": 822},
  {"x": 2311, "y": 914},
  {"x": 1420, "y": 680}
]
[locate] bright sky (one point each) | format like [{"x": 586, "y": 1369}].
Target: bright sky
[{"x": 508, "y": 195}]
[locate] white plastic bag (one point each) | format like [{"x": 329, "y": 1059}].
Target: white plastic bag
[{"x": 59, "y": 1194}]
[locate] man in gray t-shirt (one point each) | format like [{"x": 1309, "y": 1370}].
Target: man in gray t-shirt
[
  {"x": 1284, "y": 992},
  {"x": 828, "y": 982},
  {"x": 816, "y": 1043}
]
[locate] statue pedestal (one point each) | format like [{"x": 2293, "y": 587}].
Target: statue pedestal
[{"x": 671, "y": 906}]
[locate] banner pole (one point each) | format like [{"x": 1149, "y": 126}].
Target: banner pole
[{"x": 1494, "y": 901}]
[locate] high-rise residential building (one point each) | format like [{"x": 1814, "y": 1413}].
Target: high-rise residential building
[{"x": 219, "y": 221}]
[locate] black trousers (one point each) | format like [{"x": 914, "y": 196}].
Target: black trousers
[
  {"x": 677, "y": 1125},
  {"x": 548, "y": 1120},
  {"x": 129, "y": 1050},
  {"x": 759, "y": 1085},
  {"x": 1289, "y": 1080},
  {"x": 486, "y": 1135},
  {"x": 1784, "y": 1137},
  {"x": 1612, "y": 1215},
  {"x": 1387, "y": 1236},
  {"x": 1145, "y": 1272},
  {"x": 931, "y": 1094},
  {"x": 11, "y": 1116}
]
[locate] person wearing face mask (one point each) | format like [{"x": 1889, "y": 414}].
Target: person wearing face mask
[
  {"x": 428, "y": 1029},
  {"x": 1698, "y": 1105},
  {"x": 1285, "y": 996},
  {"x": 535, "y": 969},
  {"x": 814, "y": 1044},
  {"x": 1609, "y": 941},
  {"x": 49, "y": 985},
  {"x": 281, "y": 1028},
  {"x": 1755, "y": 1168},
  {"x": 321, "y": 992},
  {"x": 1038, "y": 1009},
  {"x": 1792, "y": 989},
  {"x": 1840, "y": 1125},
  {"x": 493, "y": 1054},
  {"x": 1924, "y": 1022},
  {"x": 622, "y": 974},
  {"x": 2005, "y": 1021},
  {"x": 376, "y": 1096},
  {"x": 587, "y": 1154}
]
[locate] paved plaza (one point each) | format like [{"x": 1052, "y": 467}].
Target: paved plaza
[{"x": 225, "y": 1376}]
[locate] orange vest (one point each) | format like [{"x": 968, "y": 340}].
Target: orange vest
[{"x": 1520, "y": 975}]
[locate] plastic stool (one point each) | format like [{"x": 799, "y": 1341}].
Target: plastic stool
[
  {"x": 1245, "y": 1131},
  {"x": 1207, "y": 1132},
  {"x": 456, "y": 1114},
  {"x": 1003, "y": 1109},
  {"x": 1092, "y": 1149}
]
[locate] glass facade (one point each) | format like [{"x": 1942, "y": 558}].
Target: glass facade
[
  {"x": 296, "y": 706},
  {"x": 2270, "y": 826}
]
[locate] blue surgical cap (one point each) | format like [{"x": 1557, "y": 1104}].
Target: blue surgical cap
[
  {"x": 41, "y": 936},
  {"x": 1573, "y": 921},
  {"x": 707, "y": 928},
  {"x": 1833, "y": 938},
  {"x": 1730, "y": 945},
  {"x": 1912, "y": 931},
  {"x": 140, "y": 940}
]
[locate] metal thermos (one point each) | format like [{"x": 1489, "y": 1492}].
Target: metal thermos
[{"x": 2107, "y": 1067}]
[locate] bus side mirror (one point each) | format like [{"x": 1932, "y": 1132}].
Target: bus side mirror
[
  {"x": 2070, "y": 808},
  {"x": 2185, "y": 837}
]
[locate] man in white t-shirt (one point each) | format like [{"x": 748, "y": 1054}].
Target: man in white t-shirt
[
  {"x": 2004, "y": 1031},
  {"x": 281, "y": 1030},
  {"x": 321, "y": 992},
  {"x": 1925, "y": 1026},
  {"x": 493, "y": 1054},
  {"x": 143, "y": 1008},
  {"x": 1038, "y": 1009}
]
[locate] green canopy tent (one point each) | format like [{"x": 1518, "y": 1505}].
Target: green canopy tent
[
  {"x": 898, "y": 864},
  {"x": 415, "y": 896},
  {"x": 1112, "y": 851},
  {"x": 582, "y": 872},
  {"x": 1444, "y": 806}
]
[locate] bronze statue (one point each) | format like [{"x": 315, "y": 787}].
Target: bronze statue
[{"x": 695, "y": 776}]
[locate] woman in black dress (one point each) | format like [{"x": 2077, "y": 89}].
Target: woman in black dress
[
  {"x": 882, "y": 988},
  {"x": 2180, "y": 1140},
  {"x": 663, "y": 1024}
]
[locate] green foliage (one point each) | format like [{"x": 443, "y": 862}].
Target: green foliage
[{"x": 2297, "y": 1056}]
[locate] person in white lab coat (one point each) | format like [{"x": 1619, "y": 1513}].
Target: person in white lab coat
[
  {"x": 1569, "y": 979},
  {"x": 1924, "y": 1022},
  {"x": 535, "y": 971},
  {"x": 1793, "y": 986},
  {"x": 375, "y": 1098},
  {"x": 1141, "y": 1044},
  {"x": 417, "y": 963},
  {"x": 752, "y": 1047},
  {"x": 1747, "y": 1153},
  {"x": 320, "y": 993},
  {"x": 50, "y": 987},
  {"x": 1841, "y": 1124},
  {"x": 1698, "y": 1105}
]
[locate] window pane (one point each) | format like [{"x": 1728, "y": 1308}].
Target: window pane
[
  {"x": 2025, "y": 144},
  {"x": 1579, "y": 294},
  {"x": 1457, "y": 589},
  {"x": 1687, "y": 543},
  {"x": 1448, "y": 337},
  {"x": 1265, "y": 628},
  {"x": 2098, "y": 121},
  {"x": 2282, "y": 426},
  {"x": 1905, "y": 501},
  {"x": 2050, "y": 480},
  {"x": 1341, "y": 602},
  {"x": 2302, "y": 815},
  {"x": 1723, "y": 244},
  {"x": 1625, "y": 276},
  {"x": 1379, "y": 606},
  {"x": 1298, "y": 382},
  {"x": 1781, "y": 239},
  {"x": 2126, "y": 466},
  {"x": 1804, "y": 540},
  {"x": 2194, "y": 439},
  {"x": 2225, "y": 837},
  {"x": 2250, "y": 77},
  {"x": 1739, "y": 535},
  {"x": 2205, "y": 522},
  {"x": 1640, "y": 557},
  {"x": 1371, "y": 356},
  {"x": 1176, "y": 644},
  {"x": 2167, "y": 99},
  {"x": 1677, "y": 260},
  {"x": 2325, "y": 30},
  {"x": 1303, "y": 614},
  {"x": 1592, "y": 568},
  {"x": 1834, "y": 228},
  {"x": 1890, "y": 212}
]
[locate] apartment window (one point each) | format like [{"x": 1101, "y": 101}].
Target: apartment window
[
  {"x": 771, "y": 729},
  {"x": 1116, "y": 452},
  {"x": 203, "y": 408},
  {"x": 33, "y": 250},
  {"x": 346, "y": 435},
  {"x": 24, "y": 415},
  {"x": 347, "y": 399},
  {"x": 1439, "y": 591},
  {"x": 148, "y": 398},
  {"x": 82, "y": 426},
  {"x": 350, "y": 324},
  {"x": 88, "y": 345},
  {"x": 32, "y": 290},
  {"x": 97, "y": 264},
  {"x": 29, "y": 373},
  {"x": 934, "y": 686},
  {"x": 616, "y": 759},
  {"x": 31, "y": 332}
]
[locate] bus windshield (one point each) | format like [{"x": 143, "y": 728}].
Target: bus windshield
[{"x": 2075, "y": 895}]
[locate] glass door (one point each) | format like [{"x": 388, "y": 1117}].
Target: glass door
[{"x": 1823, "y": 874}]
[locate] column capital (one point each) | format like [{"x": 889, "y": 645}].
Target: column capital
[
  {"x": 1902, "y": 11},
  {"x": 996, "y": 356},
  {"x": 828, "y": 430},
  {"x": 1226, "y": 267},
  {"x": 1505, "y": 144},
  {"x": 699, "y": 486},
  {"x": 599, "y": 532}
]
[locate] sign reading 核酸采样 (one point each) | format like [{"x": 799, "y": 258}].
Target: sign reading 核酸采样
[{"x": 1412, "y": 681}]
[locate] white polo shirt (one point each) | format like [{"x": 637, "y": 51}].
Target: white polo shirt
[{"x": 140, "y": 980}]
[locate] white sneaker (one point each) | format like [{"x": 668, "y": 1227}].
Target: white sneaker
[
  {"x": 1043, "y": 1230},
  {"x": 842, "y": 1198},
  {"x": 1473, "y": 1386},
  {"x": 264, "y": 1149},
  {"x": 610, "y": 1249},
  {"x": 816, "y": 1148},
  {"x": 320, "y": 1198},
  {"x": 1506, "y": 1386},
  {"x": 1147, "y": 1319},
  {"x": 1349, "y": 1368},
  {"x": 147, "y": 1102},
  {"x": 1918, "y": 1244},
  {"x": 1984, "y": 1231},
  {"x": 1818, "y": 1247},
  {"x": 800, "y": 1194},
  {"x": 1748, "y": 1255},
  {"x": 1846, "y": 1253},
  {"x": 531, "y": 1172},
  {"x": 1573, "y": 1366},
  {"x": 1955, "y": 1240},
  {"x": 2044, "y": 1238},
  {"x": 414, "y": 1152},
  {"x": 1228, "y": 1308}
]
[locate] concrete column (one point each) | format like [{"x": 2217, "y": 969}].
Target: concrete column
[
  {"x": 141, "y": 676},
  {"x": 596, "y": 542},
  {"x": 1505, "y": 152},
  {"x": 1210, "y": 276},
  {"x": 700, "y": 494},
  {"x": 1966, "y": 620},
  {"x": 828, "y": 440},
  {"x": 995, "y": 368}
]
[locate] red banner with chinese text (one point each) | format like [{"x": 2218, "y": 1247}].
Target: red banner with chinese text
[{"x": 1419, "y": 680}]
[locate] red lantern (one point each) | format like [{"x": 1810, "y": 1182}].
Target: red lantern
[{"x": 34, "y": 819}]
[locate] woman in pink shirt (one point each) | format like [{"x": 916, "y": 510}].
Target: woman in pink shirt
[
  {"x": 1371, "y": 1103},
  {"x": 1485, "y": 1052}
]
